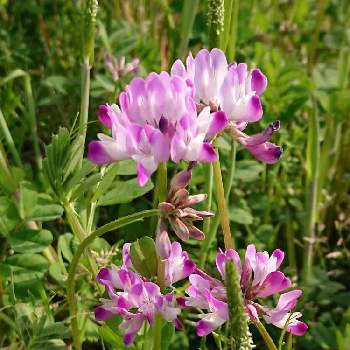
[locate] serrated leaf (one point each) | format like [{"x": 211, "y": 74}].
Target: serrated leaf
[
  {"x": 124, "y": 192},
  {"x": 30, "y": 241}
]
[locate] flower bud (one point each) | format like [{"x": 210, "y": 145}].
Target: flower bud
[
  {"x": 163, "y": 244},
  {"x": 181, "y": 180}
]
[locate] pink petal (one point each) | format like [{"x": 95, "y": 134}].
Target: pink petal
[
  {"x": 258, "y": 81},
  {"x": 274, "y": 282},
  {"x": 208, "y": 154},
  {"x": 97, "y": 153}
]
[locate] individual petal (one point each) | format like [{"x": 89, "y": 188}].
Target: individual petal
[
  {"x": 127, "y": 264},
  {"x": 180, "y": 229},
  {"x": 102, "y": 314},
  {"x": 262, "y": 136},
  {"x": 274, "y": 282},
  {"x": 143, "y": 175},
  {"x": 252, "y": 313},
  {"x": 214, "y": 319},
  {"x": 223, "y": 257},
  {"x": 179, "y": 69},
  {"x": 195, "y": 232},
  {"x": 278, "y": 256},
  {"x": 297, "y": 328},
  {"x": 163, "y": 244},
  {"x": 131, "y": 324},
  {"x": 97, "y": 153},
  {"x": 258, "y": 81},
  {"x": 266, "y": 152},
  {"x": 180, "y": 180},
  {"x": 291, "y": 322},
  {"x": 218, "y": 123},
  {"x": 208, "y": 324},
  {"x": 207, "y": 153},
  {"x": 108, "y": 115}
]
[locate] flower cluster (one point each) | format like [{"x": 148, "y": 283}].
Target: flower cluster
[
  {"x": 259, "y": 279},
  {"x": 138, "y": 300},
  {"x": 176, "y": 116}
]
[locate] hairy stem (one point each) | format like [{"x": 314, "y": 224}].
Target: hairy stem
[{"x": 114, "y": 225}]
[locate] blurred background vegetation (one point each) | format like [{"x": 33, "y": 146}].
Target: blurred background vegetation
[{"x": 300, "y": 205}]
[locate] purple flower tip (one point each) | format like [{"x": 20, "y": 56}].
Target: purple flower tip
[{"x": 97, "y": 153}]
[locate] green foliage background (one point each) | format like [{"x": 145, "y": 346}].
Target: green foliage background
[{"x": 303, "y": 48}]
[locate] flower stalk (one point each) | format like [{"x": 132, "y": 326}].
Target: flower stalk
[
  {"x": 221, "y": 203},
  {"x": 88, "y": 31},
  {"x": 266, "y": 336}
]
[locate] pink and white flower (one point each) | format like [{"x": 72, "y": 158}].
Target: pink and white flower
[
  {"x": 157, "y": 121},
  {"x": 233, "y": 90},
  {"x": 138, "y": 300},
  {"x": 259, "y": 278}
]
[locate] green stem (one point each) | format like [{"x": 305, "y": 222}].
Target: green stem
[
  {"x": 266, "y": 336},
  {"x": 216, "y": 13},
  {"x": 221, "y": 203},
  {"x": 211, "y": 232},
  {"x": 157, "y": 332},
  {"x": 206, "y": 226},
  {"x": 84, "y": 105},
  {"x": 321, "y": 6},
  {"x": 114, "y": 225},
  {"x": 10, "y": 143},
  {"x": 162, "y": 182},
  {"x": 312, "y": 159}
]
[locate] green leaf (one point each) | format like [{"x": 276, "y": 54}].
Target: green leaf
[
  {"x": 57, "y": 82},
  {"x": 79, "y": 176},
  {"x": 110, "y": 337},
  {"x": 124, "y": 192},
  {"x": 106, "y": 182},
  {"x": 9, "y": 216},
  {"x": 55, "y": 271},
  {"x": 127, "y": 167},
  {"x": 45, "y": 210},
  {"x": 30, "y": 241},
  {"x": 86, "y": 185},
  {"x": 144, "y": 257},
  {"x": 24, "y": 267},
  {"x": 240, "y": 216},
  {"x": 66, "y": 246},
  {"x": 248, "y": 170}
]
